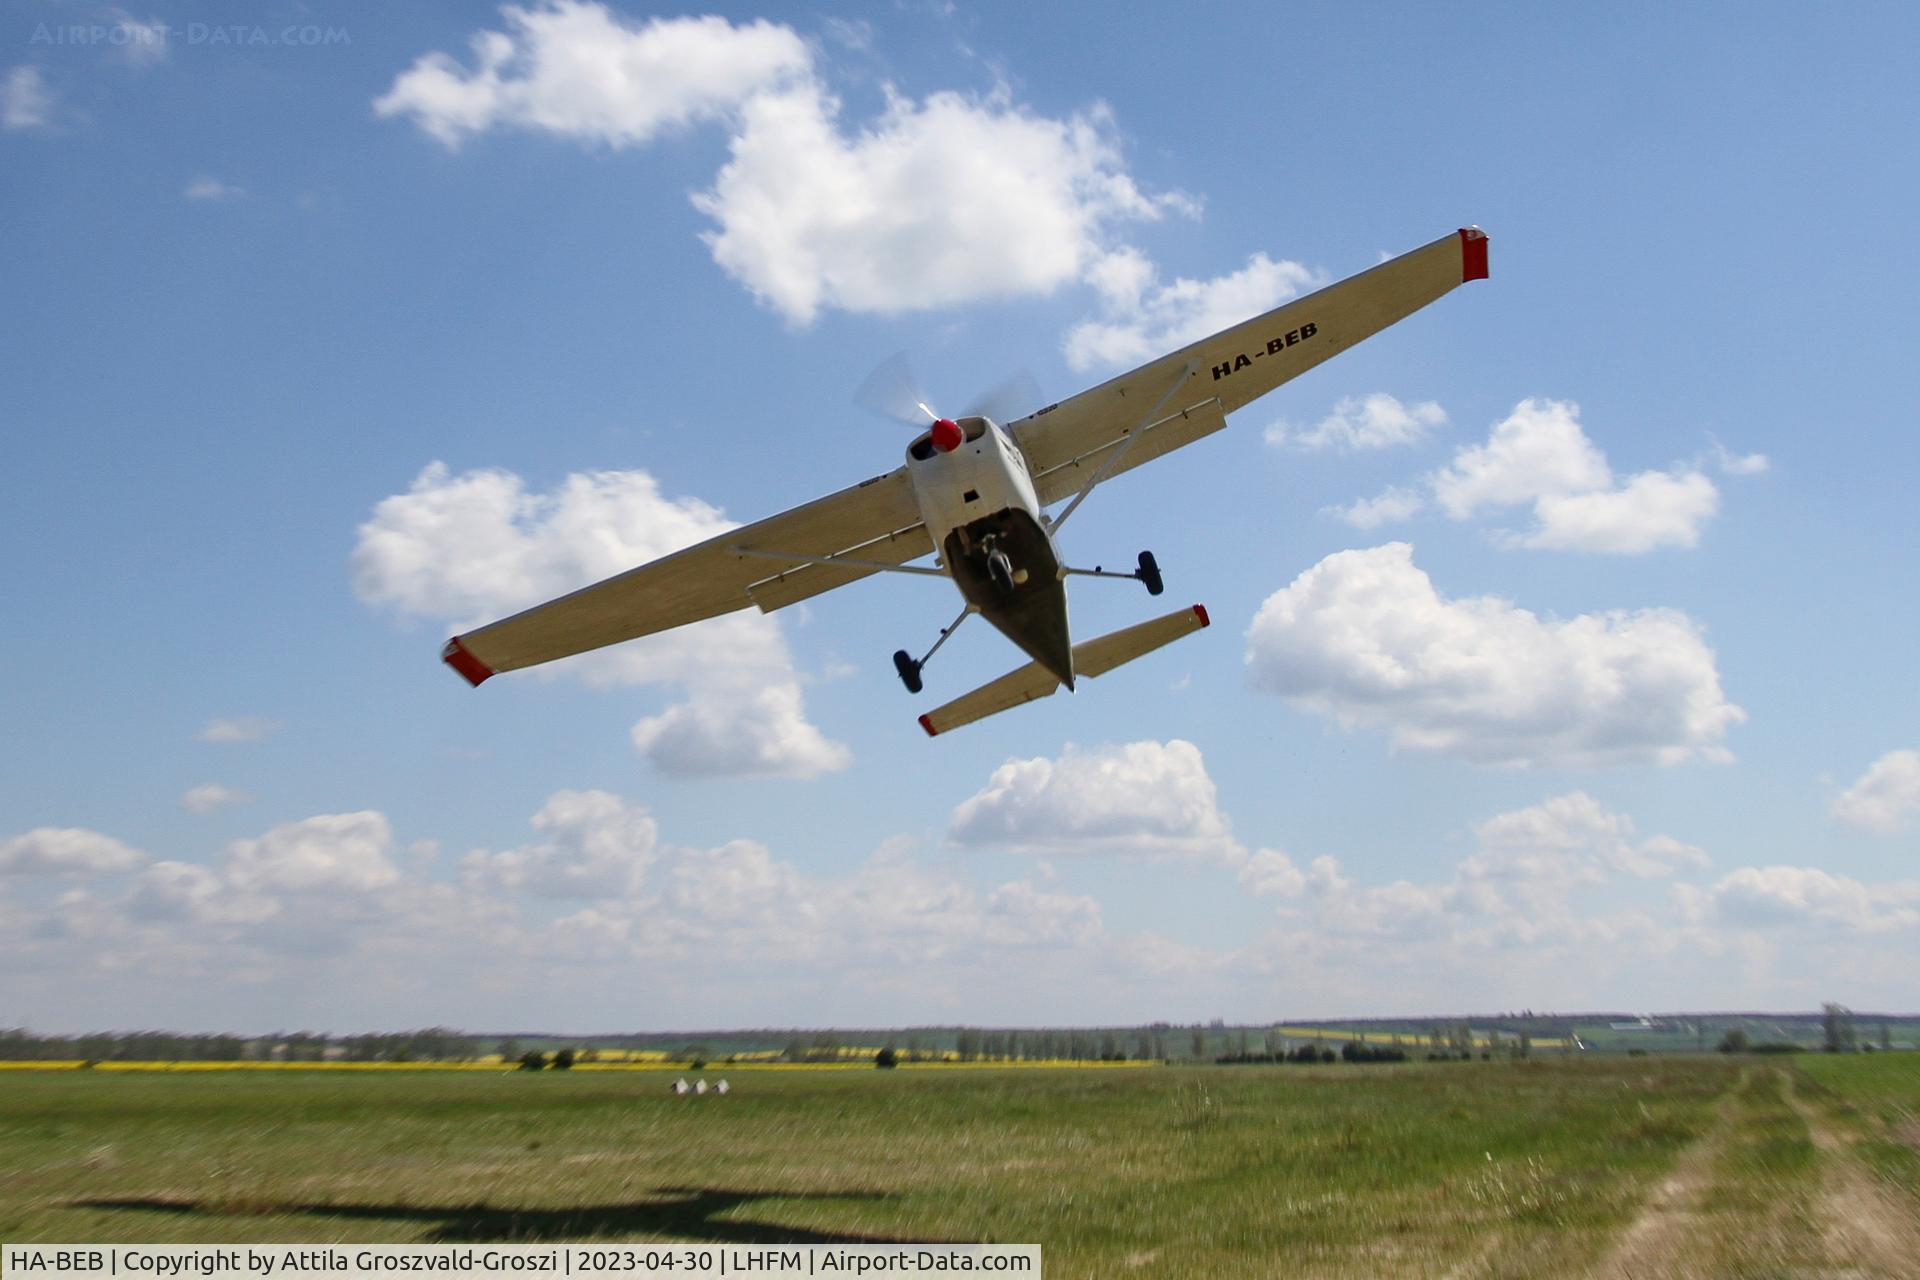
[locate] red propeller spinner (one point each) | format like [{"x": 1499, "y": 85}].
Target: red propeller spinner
[{"x": 947, "y": 435}]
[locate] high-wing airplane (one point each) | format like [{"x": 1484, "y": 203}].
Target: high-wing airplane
[{"x": 974, "y": 494}]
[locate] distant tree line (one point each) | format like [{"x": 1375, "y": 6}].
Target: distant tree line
[
  {"x": 970, "y": 1045},
  {"x": 431, "y": 1044},
  {"x": 1310, "y": 1054}
]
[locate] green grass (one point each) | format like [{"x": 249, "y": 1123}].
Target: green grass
[
  {"x": 1877, "y": 1097},
  {"x": 1760, "y": 1212},
  {"x": 1528, "y": 1167}
]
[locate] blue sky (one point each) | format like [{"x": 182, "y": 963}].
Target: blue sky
[{"x": 1562, "y": 644}]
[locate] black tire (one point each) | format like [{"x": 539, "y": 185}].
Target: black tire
[
  {"x": 1000, "y": 569},
  {"x": 909, "y": 670},
  {"x": 1149, "y": 573}
]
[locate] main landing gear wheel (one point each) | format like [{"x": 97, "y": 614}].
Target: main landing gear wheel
[
  {"x": 909, "y": 670},
  {"x": 1000, "y": 569},
  {"x": 1149, "y": 573}
]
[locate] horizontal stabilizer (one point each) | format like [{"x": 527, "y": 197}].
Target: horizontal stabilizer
[{"x": 1090, "y": 658}]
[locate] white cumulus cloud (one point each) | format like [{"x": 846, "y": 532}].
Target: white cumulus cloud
[
  {"x": 237, "y": 729},
  {"x": 1365, "y": 638},
  {"x": 1539, "y": 456},
  {"x": 1144, "y": 798},
  {"x": 1357, "y": 423},
  {"x": 941, "y": 201},
  {"x": 66, "y": 851},
  {"x": 1539, "y": 450},
  {"x": 947, "y": 199},
  {"x": 1577, "y": 827},
  {"x": 1768, "y": 897},
  {"x": 187, "y": 892},
  {"x": 595, "y": 846},
  {"x": 1886, "y": 799},
  {"x": 329, "y": 853},
  {"x": 25, "y": 100},
  {"x": 209, "y": 797},
  {"x": 1392, "y": 504},
  {"x": 1537, "y": 879},
  {"x": 470, "y": 548},
  {"x": 1143, "y": 319},
  {"x": 140, "y": 44},
  {"x": 1653, "y": 509},
  {"x": 583, "y": 71}
]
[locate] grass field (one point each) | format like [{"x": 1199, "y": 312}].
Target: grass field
[{"x": 1579, "y": 1167}]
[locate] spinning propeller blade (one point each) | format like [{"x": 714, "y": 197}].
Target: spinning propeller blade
[
  {"x": 1016, "y": 397},
  {"x": 893, "y": 392}
]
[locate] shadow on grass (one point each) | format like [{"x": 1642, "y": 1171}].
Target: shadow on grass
[{"x": 679, "y": 1213}]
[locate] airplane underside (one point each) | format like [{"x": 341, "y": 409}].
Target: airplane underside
[{"x": 1006, "y": 567}]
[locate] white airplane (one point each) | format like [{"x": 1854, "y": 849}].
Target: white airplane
[{"x": 974, "y": 493}]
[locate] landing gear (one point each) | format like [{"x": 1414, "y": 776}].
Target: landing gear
[
  {"x": 1000, "y": 569},
  {"x": 1149, "y": 573},
  {"x": 1146, "y": 572},
  {"x": 909, "y": 669}
]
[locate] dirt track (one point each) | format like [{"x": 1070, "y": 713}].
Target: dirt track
[{"x": 1772, "y": 1189}]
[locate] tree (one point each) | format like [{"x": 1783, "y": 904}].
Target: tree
[
  {"x": 533, "y": 1060},
  {"x": 1735, "y": 1041},
  {"x": 886, "y": 1059},
  {"x": 1837, "y": 1025},
  {"x": 563, "y": 1060}
]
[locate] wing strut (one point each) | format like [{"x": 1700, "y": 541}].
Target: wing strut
[
  {"x": 838, "y": 562},
  {"x": 1113, "y": 459}
]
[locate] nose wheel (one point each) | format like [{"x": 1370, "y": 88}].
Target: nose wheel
[{"x": 1000, "y": 569}]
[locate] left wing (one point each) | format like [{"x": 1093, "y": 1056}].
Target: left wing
[
  {"x": 1065, "y": 444},
  {"x": 876, "y": 520}
]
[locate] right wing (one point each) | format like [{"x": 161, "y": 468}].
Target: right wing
[
  {"x": 876, "y": 520},
  {"x": 1065, "y": 444}
]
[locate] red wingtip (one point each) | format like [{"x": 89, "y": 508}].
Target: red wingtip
[
  {"x": 1473, "y": 254},
  {"x": 471, "y": 669},
  {"x": 927, "y": 724},
  {"x": 1200, "y": 612}
]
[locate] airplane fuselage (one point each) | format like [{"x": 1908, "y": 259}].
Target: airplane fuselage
[{"x": 980, "y": 509}]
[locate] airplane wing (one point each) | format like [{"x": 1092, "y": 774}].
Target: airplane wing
[
  {"x": 1066, "y": 443},
  {"x": 875, "y": 521}
]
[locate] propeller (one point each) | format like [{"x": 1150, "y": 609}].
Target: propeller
[
  {"x": 893, "y": 392},
  {"x": 1016, "y": 397}
]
